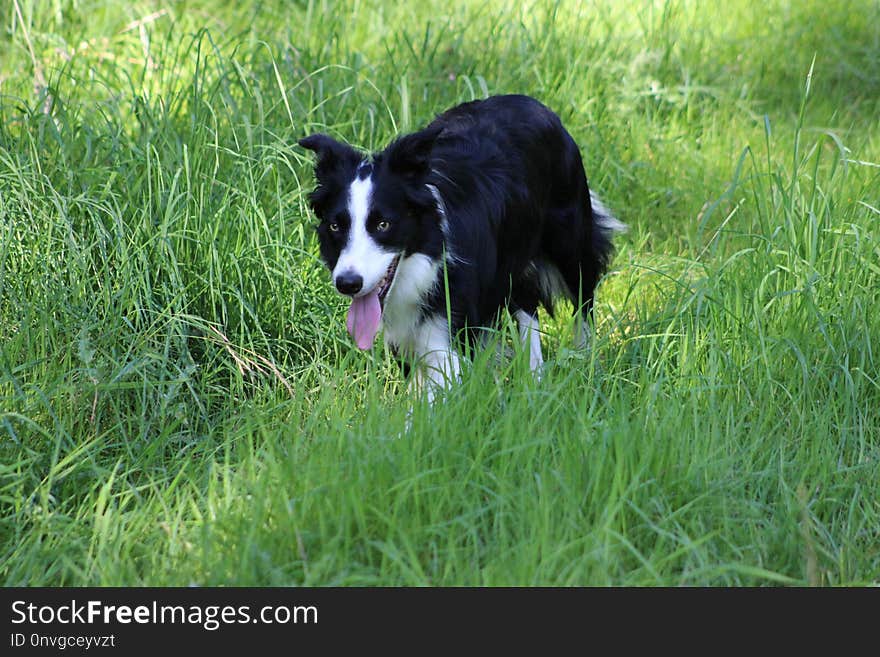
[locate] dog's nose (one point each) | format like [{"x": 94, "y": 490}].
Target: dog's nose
[{"x": 349, "y": 283}]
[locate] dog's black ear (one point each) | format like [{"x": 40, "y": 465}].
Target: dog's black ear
[
  {"x": 331, "y": 153},
  {"x": 410, "y": 155}
]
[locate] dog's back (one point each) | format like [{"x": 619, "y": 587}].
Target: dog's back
[{"x": 522, "y": 225}]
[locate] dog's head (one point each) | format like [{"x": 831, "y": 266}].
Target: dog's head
[{"x": 374, "y": 212}]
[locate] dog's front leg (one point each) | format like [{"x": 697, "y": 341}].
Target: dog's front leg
[{"x": 437, "y": 365}]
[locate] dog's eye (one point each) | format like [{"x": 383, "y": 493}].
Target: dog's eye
[
  {"x": 382, "y": 226},
  {"x": 334, "y": 227}
]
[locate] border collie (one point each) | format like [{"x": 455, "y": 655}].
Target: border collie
[{"x": 484, "y": 209}]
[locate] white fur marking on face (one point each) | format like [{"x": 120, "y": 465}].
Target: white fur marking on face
[
  {"x": 362, "y": 254},
  {"x": 529, "y": 334},
  {"x": 359, "y": 196}
]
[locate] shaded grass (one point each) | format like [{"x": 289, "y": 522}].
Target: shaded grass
[{"x": 179, "y": 402}]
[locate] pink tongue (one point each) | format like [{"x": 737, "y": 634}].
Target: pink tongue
[{"x": 363, "y": 319}]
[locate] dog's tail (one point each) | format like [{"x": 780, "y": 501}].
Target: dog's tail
[{"x": 606, "y": 226}]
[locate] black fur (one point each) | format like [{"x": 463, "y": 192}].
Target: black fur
[{"x": 516, "y": 204}]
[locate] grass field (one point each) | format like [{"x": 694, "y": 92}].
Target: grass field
[{"x": 179, "y": 400}]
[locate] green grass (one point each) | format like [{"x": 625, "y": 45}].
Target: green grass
[{"x": 180, "y": 403}]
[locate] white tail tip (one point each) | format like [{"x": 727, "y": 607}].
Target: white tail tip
[{"x": 605, "y": 220}]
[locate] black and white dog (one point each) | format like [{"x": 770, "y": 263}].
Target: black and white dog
[{"x": 490, "y": 199}]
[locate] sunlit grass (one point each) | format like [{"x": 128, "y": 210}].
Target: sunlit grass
[{"x": 180, "y": 403}]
